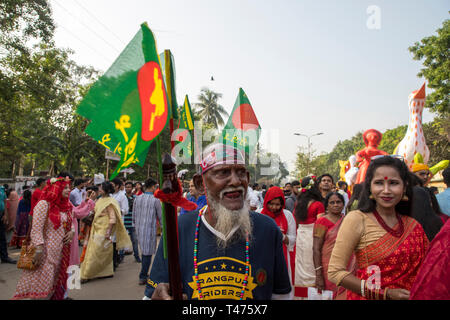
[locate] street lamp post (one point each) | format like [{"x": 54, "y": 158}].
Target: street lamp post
[{"x": 309, "y": 145}]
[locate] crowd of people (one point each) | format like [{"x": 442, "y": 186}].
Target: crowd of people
[
  {"x": 379, "y": 240},
  {"x": 72, "y": 221},
  {"x": 313, "y": 238}
]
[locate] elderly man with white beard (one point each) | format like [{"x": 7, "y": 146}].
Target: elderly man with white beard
[{"x": 226, "y": 250}]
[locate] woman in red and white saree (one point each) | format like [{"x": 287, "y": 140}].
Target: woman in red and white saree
[
  {"x": 51, "y": 234},
  {"x": 389, "y": 246},
  {"x": 307, "y": 208}
]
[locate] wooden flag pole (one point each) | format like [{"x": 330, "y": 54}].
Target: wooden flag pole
[
  {"x": 107, "y": 169},
  {"x": 167, "y": 66},
  {"x": 191, "y": 132},
  {"x": 167, "y": 179},
  {"x": 160, "y": 174},
  {"x": 171, "y": 185}
]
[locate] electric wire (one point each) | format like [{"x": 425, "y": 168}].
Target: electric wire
[
  {"x": 85, "y": 43},
  {"x": 101, "y": 23},
  {"x": 89, "y": 28}
]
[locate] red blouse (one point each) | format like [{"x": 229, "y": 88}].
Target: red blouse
[{"x": 314, "y": 209}]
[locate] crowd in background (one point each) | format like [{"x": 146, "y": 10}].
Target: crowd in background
[{"x": 312, "y": 211}]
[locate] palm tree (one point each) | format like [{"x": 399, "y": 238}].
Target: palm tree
[{"x": 209, "y": 110}]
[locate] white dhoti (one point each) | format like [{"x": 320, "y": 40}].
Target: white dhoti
[{"x": 304, "y": 265}]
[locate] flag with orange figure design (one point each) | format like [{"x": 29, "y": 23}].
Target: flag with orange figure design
[{"x": 128, "y": 106}]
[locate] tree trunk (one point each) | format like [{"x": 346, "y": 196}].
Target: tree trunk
[
  {"x": 52, "y": 166},
  {"x": 13, "y": 171},
  {"x": 33, "y": 166},
  {"x": 20, "y": 173}
]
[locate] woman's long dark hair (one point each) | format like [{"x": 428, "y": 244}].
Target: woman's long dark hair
[
  {"x": 27, "y": 197},
  {"x": 303, "y": 198},
  {"x": 415, "y": 180},
  {"x": 366, "y": 204},
  {"x": 357, "y": 188},
  {"x": 108, "y": 188},
  {"x": 434, "y": 202},
  {"x": 329, "y": 195}
]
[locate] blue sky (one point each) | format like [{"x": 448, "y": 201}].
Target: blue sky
[{"x": 306, "y": 66}]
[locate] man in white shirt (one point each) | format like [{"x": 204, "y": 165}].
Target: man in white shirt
[
  {"x": 76, "y": 195},
  {"x": 122, "y": 187},
  {"x": 120, "y": 196},
  {"x": 123, "y": 203},
  {"x": 252, "y": 199},
  {"x": 258, "y": 192}
]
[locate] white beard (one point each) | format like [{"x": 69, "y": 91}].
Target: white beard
[{"x": 227, "y": 219}]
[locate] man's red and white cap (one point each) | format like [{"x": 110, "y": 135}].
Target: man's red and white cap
[{"x": 219, "y": 153}]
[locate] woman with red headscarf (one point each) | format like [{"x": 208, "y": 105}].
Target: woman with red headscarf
[
  {"x": 51, "y": 235},
  {"x": 274, "y": 203}
]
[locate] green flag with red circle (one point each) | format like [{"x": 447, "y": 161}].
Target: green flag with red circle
[{"x": 128, "y": 105}]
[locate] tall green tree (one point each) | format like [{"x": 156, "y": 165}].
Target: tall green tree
[
  {"x": 303, "y": 163},
  {"x": 437, "y": 141},
  {"x": 209, "y": 109},
  {"x": 39, "y": 87},
  {"x": 45, "y": 85},
  {"x": 434, "y": 53},
  {"x": 22, "y": 21},
  {"x": 24, "y": 25}
]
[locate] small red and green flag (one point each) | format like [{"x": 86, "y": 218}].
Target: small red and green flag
[
  {"x": 184, "y": 132},
  {"x": 186, "y": 122},
  {"x": 242, "y": 129},
  {"x": 128, "y": 105}
]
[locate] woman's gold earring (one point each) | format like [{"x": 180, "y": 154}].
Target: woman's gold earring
[
  {"x": 405, "y": 198},
  {"x": 371, "y": 197}
]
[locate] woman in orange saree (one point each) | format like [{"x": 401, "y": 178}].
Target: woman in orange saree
[{"x": 388, "y": 244}]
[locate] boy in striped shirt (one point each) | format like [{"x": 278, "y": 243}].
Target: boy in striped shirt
[{"x": 128, "y": 219}]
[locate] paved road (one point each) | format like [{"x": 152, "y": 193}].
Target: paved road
[{"x": 123, "y": 286}]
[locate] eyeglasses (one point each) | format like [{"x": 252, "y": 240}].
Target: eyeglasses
[{"x": 395, "y": 156}]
